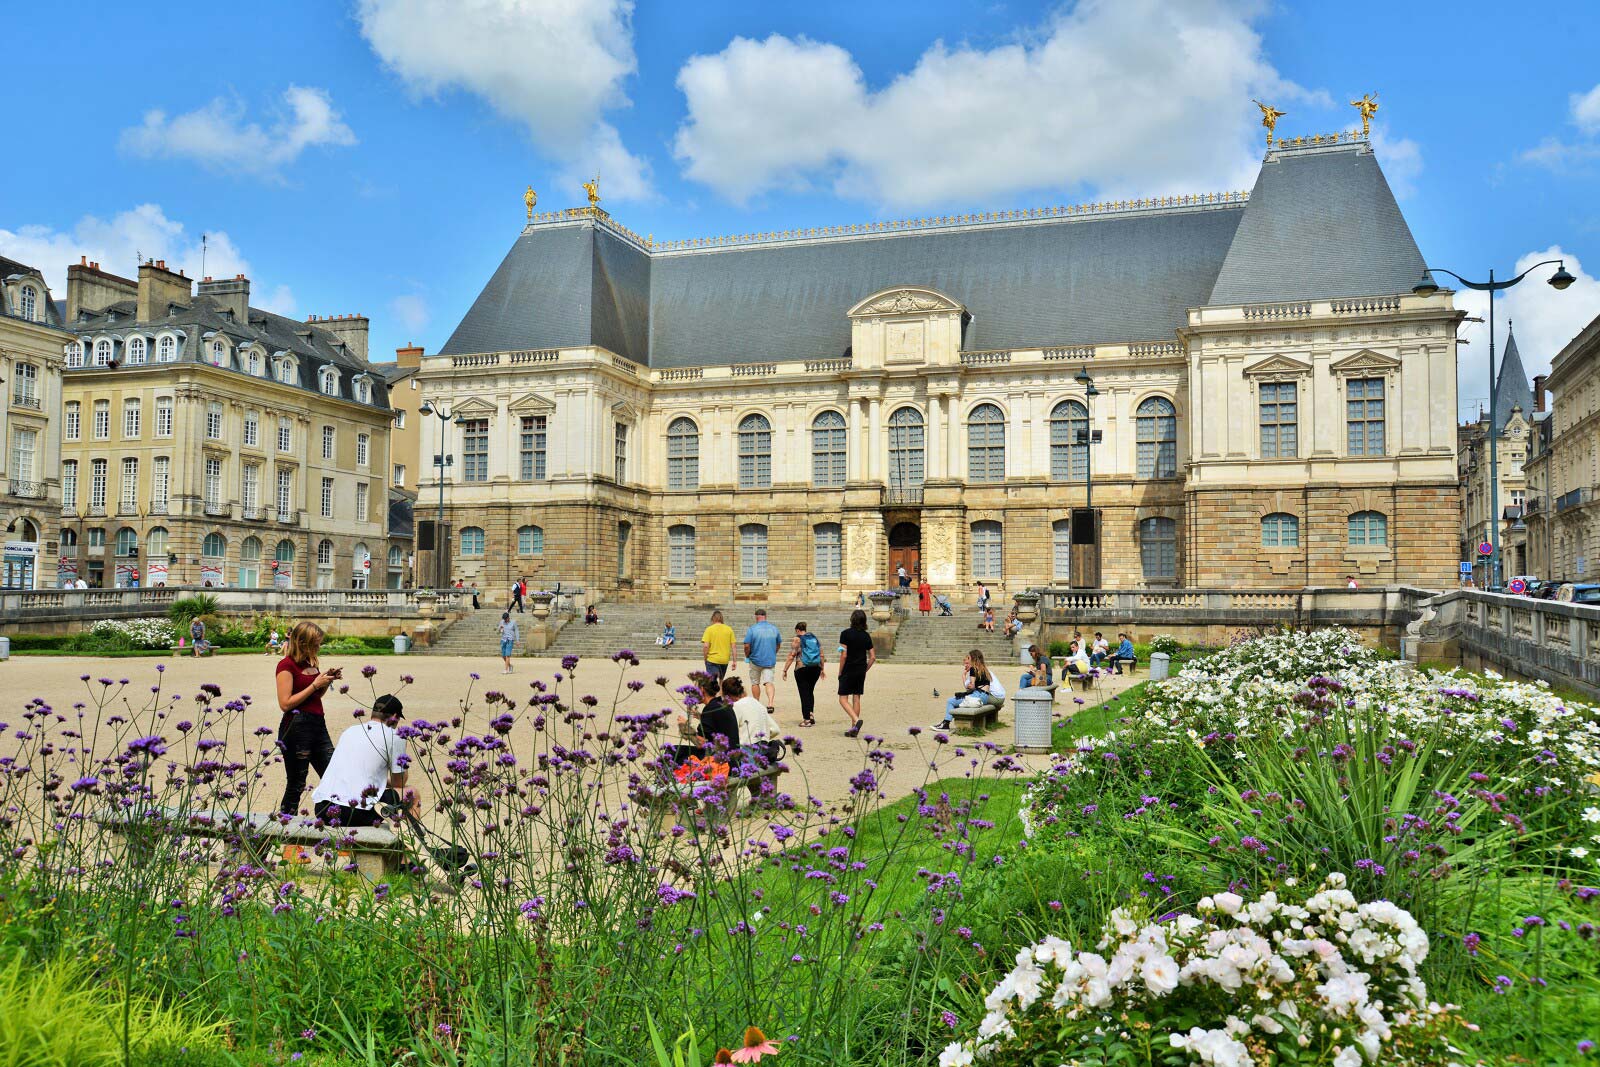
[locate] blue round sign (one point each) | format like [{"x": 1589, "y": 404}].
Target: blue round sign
[
  {"x": 1518, "y": 586},
  {"x": 1485, "y": 548}
]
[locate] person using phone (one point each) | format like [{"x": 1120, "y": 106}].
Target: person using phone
[{"x": 303, "y": 730}]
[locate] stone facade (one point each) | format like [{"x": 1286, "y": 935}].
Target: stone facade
[
  {"x": 31, "y": 336},
  {"x": 1563, "y": 502}
]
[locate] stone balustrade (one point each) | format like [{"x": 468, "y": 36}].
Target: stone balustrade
[
  {"x": 23, "y": 609},
  {"x": 1513, "y": 635}
]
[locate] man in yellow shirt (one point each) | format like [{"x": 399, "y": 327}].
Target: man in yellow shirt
[{"x": 717, "y": 643}]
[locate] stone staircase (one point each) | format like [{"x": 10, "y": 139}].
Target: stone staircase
[
  {"x": 637, "y": 626},
  {"x": 475, "y": 634},
  {"x": 947, "y": 640}
]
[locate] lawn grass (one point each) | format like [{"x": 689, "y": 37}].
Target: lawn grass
[{"x": 1100, "y": 718}]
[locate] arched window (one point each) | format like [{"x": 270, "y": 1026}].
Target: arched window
[
  {"x": 1158, "y": 547},
  {"x": 752, "y": 552},
  {"x": 986, "y": 444},
  {"x": 166, "y": 349},
  {"x": 755, "y": 452},
  {"x": 1280, "y": 530},
  {"x": 988, "y": 551},
  {"x": 29, "y": 303},
  {"x": 329, "y": 379},
  {"x": 1369, "y": 528},
  {"x": 286, "y": 372},
  {"x": 364, "y": 391},
  {"x": 102, "y": 352},
  {"x": 284, "y": 551},
  {"x": 683, "y": 454},
  {"x": 215, "y": 546},
  {"x": 253, "y": 362},
  {"x": 325, "y": 553},
  {"x": 530, "y": 541},
  {"x": 135, "y": 350},
  {"x": 905, "y": 449},
  {"x": 472, "y": 541},
  {"x": 680, "y": 553},
  {"x": 828, "y": 552},
  {"x": 127, "y": 541},
  {"x": 1156, "y": 425},
  {"x": 1069, "y": 447},
  {"x": 250, "y": 550},
  {"x": 69, "y": 537},
  {"x": 359, "y": 557},
  {"x": 397, "y": 558},
  {"x": 828, "y": 450},
  {"x": 219, "y": 354},
  {"x": 155, "y": 542},
  {"x": 74, "y": 354},
  {"x": 1061, "y": 545}
]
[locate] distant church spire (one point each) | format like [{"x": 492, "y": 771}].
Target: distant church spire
[{"x": 1513, "y": 389}]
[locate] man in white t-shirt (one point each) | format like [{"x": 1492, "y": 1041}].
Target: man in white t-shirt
[
  {"x": 757, "y": 728},
  {"x": 368, "y": 768}
]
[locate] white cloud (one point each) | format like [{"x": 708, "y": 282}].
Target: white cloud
[
  {"x": 1054, "y": 108},
  {"x": 1401, "y": 159},
  {"x": 1555, "y": 154},
  {"x": 116, "y": 244},
  {"x": 555, "y": 66},
  {"x": 218, "y": 136},
  {"x": 1586, "y": 111},
  {"x": 411, "y": 310},
  {"x": 1545, "y": 319},
  {"x": 280, "y": 301}
]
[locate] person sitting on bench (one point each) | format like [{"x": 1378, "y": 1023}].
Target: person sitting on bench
[
  {"x": 1100, "y": 649},
  {"x": 759, "y": 732},
  {"x": 1077, "y": 664},
  {"x": 719, "y": 726},
  {"x": 1040, "y": 674},
  {"x": 1124, "y": 654},
  {"x": 368, "y": 769},
  {"x": 975, "y": 682}
]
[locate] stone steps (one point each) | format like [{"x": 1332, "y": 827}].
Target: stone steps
[{"x": 637, "y": 626}]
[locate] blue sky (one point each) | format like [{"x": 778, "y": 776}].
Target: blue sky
[{"x": 370, "y": 156}]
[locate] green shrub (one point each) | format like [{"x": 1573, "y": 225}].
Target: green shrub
[
  {"x": 40, "y": 642},
  {"x": 186, "y": 608},
  {"x": 1165, "y": 643}
]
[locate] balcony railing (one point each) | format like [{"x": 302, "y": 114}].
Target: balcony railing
[
  {"x": 217, "y": 510},
  {"x": 903, "y": 496},
  {"x": 128, "y": 507},
  {"x": 158, "y": 507},
  {"x": 26, "y": 401},
  {"x": 1582, "y": 495},
  {"x": 252, "y": 514},
  {"x": 26, "y": 489},
  {"x": 288, "y": 518},
  {"x": 97, "y": 511}
]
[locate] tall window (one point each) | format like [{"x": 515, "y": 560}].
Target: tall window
[
  {"x": 327, "y": 498},
  {"x": 166, "y": 349},
  {"x": 219, "y": 354},
  {"x": 24, "y": 446},
  {"x": 130, "y": 418},
  {"x": 74, "y": 353},
  {"x": 399, "y": 474},
  {"x": 249, "y": 561},
  {"x": 755, "y": 454},
  {"x": 69, "y": 486},
  {"x": 214, "y": 421},
  {"x": 213, "y": 483},
  {"x": 285, "y": 435},
  {"x": 127, "y": 543},
  {"x": 283, "y": 551},
  {"x": 364, "y": 391},
  {"x": 163, "y": 416},
  {"x": 74, "y": 420},
  {"x": 286, "y": 372},
  {"x": 1061, "y": 548},
  {"x": 905, "y": 449},
  {"x": 1364, "y": 416},
  {"x": 621, "y": 452},
  {"x": 325, "y": 553},
  {"x": 986, "y": 444},
  {"x": 285, "y": 495},
  {"x": 102, "y": 420},
  {"x": 680, "y": 553},
  {"x": 472, "y": 541},
  {"x": 624, "y": 554},
  {"x": 752, "y": 552},
  {"x": 361, "y": 501},
  {"x": 1279, "y": 421},
  {"x": 1279, "y": 530},
  {"x": 1158, "y": 547},
  {"x": 475, "y": 450},
  {"x": 828, "y": 559},
  {"x": 253, "y": 363},
  {"x": 530, "y": 541},
  {"x": 28, "y": 303},
  {"x": 363, "y": 449},
  {"x": 1156, "y": 428},
  {"x": 252, "y": 429},
  {"x": 97, "y": 486},
  {"x": 129, "y": 503},
  {"x": 1069, "y": 449},
  {"x": 155, "y": 542},
  {"x": 683, "y": 455},
  {"x": 1369, "y": 528},
  {"x": 102, "y": 352},
  {"x": 160, "y": 485},
  {"x": 988, "y": 551},
  {"x": 136, "y": 351},
  {"x": 327, "y": 442},
  {"x": 250, "y": 488},
  {"x": 828, "y": 451},
  {"x": 25, "y": 384},
  {"x": 329, "y": 379},
  {"x": 532, "y": 441}
]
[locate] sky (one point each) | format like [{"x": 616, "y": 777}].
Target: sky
[{"x": 369, "y": 156}]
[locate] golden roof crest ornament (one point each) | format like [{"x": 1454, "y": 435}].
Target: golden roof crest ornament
[
  {"x": 530, "y": 198},
  {"x": 592, "y": 187},
  {"x": 1269, "y": 118},
  {"x": 1368, "y": 106}
]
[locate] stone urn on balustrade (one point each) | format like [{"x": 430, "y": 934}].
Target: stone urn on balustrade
[
  {"x": 882, "y": 606},
  {"x": 541, "y": 602},
  {"x": 1027, "y": 605},
  {"x": 427, "y": 603}
]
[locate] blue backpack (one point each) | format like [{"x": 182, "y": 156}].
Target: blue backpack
[{"x": 810, "y": 650}]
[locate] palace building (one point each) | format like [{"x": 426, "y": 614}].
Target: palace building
[
  {"x": 31, "y": 336},
  {"x": 1218, "y": 390}
]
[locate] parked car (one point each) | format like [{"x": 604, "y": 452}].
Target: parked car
[{"x": 1579, "y": 593}]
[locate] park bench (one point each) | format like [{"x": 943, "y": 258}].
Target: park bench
[
  {"x": 978, "y": 719},
  {"x": 377, "y": 852},
  {"x": 188, "y": 650}
]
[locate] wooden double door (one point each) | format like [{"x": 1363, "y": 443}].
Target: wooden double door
[{"x": 905, "y": 550}]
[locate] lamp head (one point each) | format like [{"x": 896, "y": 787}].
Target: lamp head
[
  {"x": 426, "y": 408},
  {"x": 1083, "y": 378},
  {"x": 1561, "y": 279},
  {"x": 1426, "y": 286}
]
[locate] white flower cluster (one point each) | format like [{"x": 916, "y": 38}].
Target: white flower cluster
[
  {"x": 142, "y": 633},
  {"x": 1332, "y": 973}
]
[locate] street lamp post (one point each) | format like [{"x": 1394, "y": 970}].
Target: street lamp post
[
  {"x": 1086, "y": 438},
  {"x": 1427, "y": 287},
  {"x": 440, "y": 460}
]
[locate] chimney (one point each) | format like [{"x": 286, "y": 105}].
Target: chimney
[
  {"x": 91, "y": 289},
  {"x": 351, "y": 329},
  {"x": 158, "y": 287},
  {"x": 1538, "y": 391},
  {"x": 230, "y": 294},
  {"x": 409, "y": 356}
]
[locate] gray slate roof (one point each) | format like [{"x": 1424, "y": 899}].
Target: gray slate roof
[
  {"x": 52, "y": 310},
  {"x": 1513, "y": 388},
  {"x": 1321, "y": 223}
]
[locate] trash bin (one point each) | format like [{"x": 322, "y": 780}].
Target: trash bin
[
  {"x": 402, "y": 644},
  {"x": 5, "y": 648},
  {"x": 1158, "y": 665},
  {"x": 1030, "y": 711}
]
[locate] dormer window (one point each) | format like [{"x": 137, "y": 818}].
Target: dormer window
[
  {"x": 219, "y": 354},
  {"x": 286, "y": 373},
  {"x": 329, "y": 381},
  {"x": 102, "y": 352},
  {"x": 135, "y": 351},
  {"x": 167, "y": 349},
  {"x": 28, "y": 303},
  {"x": 364, "y": 391},
  {"x": 254, "y": 363},
  {"x": 74, "y": 354}
]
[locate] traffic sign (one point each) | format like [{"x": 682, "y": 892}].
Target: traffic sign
[
  {"x": 1466, "y": 567},
  {"x": 1518, "y": 586},
  {"x": 1485, "y": 548},
  {"x": 366, "y": 564}
]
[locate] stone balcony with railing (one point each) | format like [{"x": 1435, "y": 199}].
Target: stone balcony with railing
[{"x": 25, "y": 489}]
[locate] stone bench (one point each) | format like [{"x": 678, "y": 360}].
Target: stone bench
[
  {"x": 978, "y": 719},
  {"x": 188, "y": 650},
  {"x": 376, "y": 851}
]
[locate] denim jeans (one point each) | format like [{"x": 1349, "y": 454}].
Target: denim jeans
[{"x": 306, "y": 744}]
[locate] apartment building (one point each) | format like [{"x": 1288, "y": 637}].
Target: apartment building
[{"x": 31, "y": 336}]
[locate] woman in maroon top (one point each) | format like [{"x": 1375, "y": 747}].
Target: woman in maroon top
[{"x": 303, "y": 731}]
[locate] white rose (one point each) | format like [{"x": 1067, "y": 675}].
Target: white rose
[
  {"x": 1228, "y": 903},
  {"x": 1160, "y": 974}
]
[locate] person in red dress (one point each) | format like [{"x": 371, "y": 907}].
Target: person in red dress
[{"x": 924, "y": 597}]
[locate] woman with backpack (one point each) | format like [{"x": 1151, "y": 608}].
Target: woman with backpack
[{"x": 806, "y": 650}]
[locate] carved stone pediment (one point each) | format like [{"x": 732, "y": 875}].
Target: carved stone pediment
[
  {"x": 532, "y": 404},
  {"x": 473, "y": 406},
  {"x": 1365, "y": 361},
  {"x": 623, "y": 411},
  {"x": 905, "y": 300},
  {"x": 1277, "y": 366}
]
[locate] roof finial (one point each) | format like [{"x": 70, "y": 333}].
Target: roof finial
[
  {"x": 529, "y": 199},
  {"x": 592, "y": 187},
  {"x": 1368, "y": 106},
  {"x": 1269, "y": 118}
]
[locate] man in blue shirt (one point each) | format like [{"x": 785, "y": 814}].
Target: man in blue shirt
[
  {"x": 761, "y": 643},
  {"x": 1124, "y": 654}
]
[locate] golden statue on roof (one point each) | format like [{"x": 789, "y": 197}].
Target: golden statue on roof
[
  {"x": 592, "y": 187},
  {"x": 1367, "y": 105},
  {"x": 1269, "y": 118},
  {"x": 530, "y": 198}
]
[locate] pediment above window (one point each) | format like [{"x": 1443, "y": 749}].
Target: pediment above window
[
  {"x": 532, "y": 404},
  {"x": 905, "y": 300},
  {"x": 1366, "y": 361},
  {"x": 623, "y": 411},
  {"x": 1277, "y": 367},
  {"x": 474, "y": 407}
]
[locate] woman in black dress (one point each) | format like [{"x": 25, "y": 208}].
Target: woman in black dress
[{"x": 856, "y": 657}]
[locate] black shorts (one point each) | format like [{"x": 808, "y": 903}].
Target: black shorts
[{"x": 852, "y": 682}]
